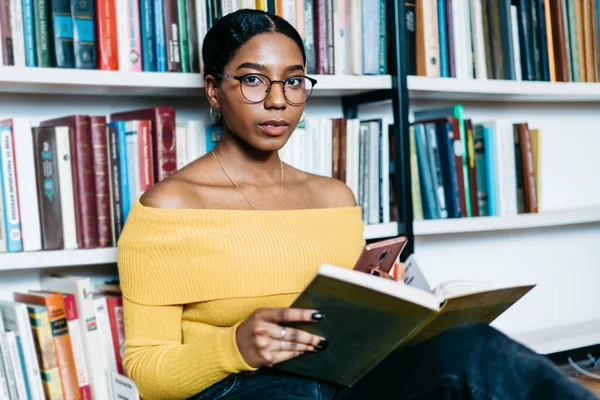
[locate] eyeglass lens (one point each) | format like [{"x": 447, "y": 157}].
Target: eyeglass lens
[{"x": 255, "y": 88}]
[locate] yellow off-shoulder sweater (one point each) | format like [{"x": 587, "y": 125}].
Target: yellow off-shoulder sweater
[{"x": 190, "y": 277}]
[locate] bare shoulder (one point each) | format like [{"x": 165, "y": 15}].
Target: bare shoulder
[
  {"x": 172, "y": 193},
  {"x": 182, "y": 190},
  {"x": 329, "y": 192}
]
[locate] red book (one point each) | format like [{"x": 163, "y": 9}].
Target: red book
[
  {"x": 114, "y": 304},
  {"x": 146, "y": 174},
  {"x": 108, "y": 56},
  {"x": 84, "y": 185},
  {"x": 100, "y": 156},
  {"x": 321, "y": 36},
  {"x": 162, "y": 130}
]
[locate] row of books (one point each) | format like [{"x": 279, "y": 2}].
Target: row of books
[
  {"x": 69, "y": 182},
  {"x": 464, "y": 169},
  {"x": 340, "y": 37},
  {"x": 354, "y": 151},
  {"x": 530, "y": 40},
  {"x": 60, "y": 342}
]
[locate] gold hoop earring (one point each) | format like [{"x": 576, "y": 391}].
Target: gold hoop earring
[{"x": 213, "y": 117}]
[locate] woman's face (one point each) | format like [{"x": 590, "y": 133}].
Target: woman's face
[{"x": 265, "y": 125}]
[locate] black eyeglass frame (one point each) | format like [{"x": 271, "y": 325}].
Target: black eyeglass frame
[{"x": 240, "y": 79}]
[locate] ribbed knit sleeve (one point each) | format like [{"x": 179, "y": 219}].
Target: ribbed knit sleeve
[{"x": 164, "y": 367}]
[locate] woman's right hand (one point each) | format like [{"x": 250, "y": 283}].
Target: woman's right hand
[{"x": 259, "y": 338}]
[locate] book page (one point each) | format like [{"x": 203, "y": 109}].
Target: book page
[
  {"x": 451, "y": 289},
  {"x": 477, "y": 307}
]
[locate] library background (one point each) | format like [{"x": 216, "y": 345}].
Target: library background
[{"x": 470, "y": 126}]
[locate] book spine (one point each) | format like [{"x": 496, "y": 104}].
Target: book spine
[
  {"x": 115, "y": 181},
  {"x": 591, "y": 59},
  {"x": 48, "y": 188},
  {"x": 382, "y": 37},
  {"x": 65, "y": 177},
  {"x": 4, "y": 394},
  {"x": 148, "y": 35},
  {"x": 573, "y": 44},
  {"x": 430, "y": 210},
  {"x": 548, "y": 40},
  {"x": 443, "y": 38},
  {"x": 85, "y": 189},
  {"x": 100, "y": 154},
  {"x": 5, "y": 359},
  {"x": 16, "y": 21},
  {"x": 133, "y": 176},
  {"x": 329, "y": 37},
  {"x": 105, "y": 334},
  {"x": 535, "y": 39},
  {"x": 193, "y": 37},
  {"x": 525, "y": 32},
  {"x": 508, "y": 60},
  {"x": 514, "y": 14},
  {"x": 123, "y": 168},
  {"x": 410, "y": 38},
  {"x": 445, "y": 138},
  {"x": 415, "y": 179},
  {"x": 114, "y": 306},
  {"x": 370, "y": 42},
  {"x": 18, "y": 366},
  {"x": 84, "y": 31},
  {"x": 528, "y": 167},
  {"x": 478, "y": 40},
  {"x": 40, "y": 325},
  {"x": 6, "y": 36},
  {"x": 320, "y": 36},
  {"x": 472, "y": 167},
  {"x": 8, "y": 178},
  {"x": 450, "y": 38},
  {"x": 146, "y": 175},
  {"x": 353, "y": 37},
  {"x": 29, "y": 33},
  {"x": 25, "y": 338},
  {"x": 159, "y": 26},
  {"x": 108, "y": 52},
  {"x": 519, "y": 172},
  {"x": 163, "y": 143},
  {"x": 436, "y": 170},
  {"x": 172, "y": 40},
  {"x": 183, "y": 36},
  {"x": 42, "y": 33},
  {"x": 62, "y": 24},
  {"x": 482, "y": 193},
  {"x": 77, "y": 345}
]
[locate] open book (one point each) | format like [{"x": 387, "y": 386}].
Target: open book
[{"x": 367, "y": 317}]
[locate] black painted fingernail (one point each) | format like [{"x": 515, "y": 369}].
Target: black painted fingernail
[
  {"x": 375, "y": 272},
  {"x": 318, "y": 316},
  {"x": 323, "y": 344}
]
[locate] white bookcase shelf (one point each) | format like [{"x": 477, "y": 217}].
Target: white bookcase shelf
[
  {"x": 62, "y": 258},
  {"x": 68, "y": 258},
  {"x": 452, "y": 89},
  {"x": 117, "y": 83},
  {"x": 522, "y": 221},
  {"x": 561, "y": 338}
]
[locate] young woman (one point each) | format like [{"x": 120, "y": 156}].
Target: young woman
[{"x": 211, "y": 258}]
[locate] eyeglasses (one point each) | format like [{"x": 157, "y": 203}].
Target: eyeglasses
[{"x": 256, "y": 87}]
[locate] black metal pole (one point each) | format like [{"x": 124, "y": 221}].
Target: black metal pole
[{"x": 397, "y": 67}]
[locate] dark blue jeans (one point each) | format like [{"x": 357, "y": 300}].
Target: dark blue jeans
[{"x": 469, "y": 362}]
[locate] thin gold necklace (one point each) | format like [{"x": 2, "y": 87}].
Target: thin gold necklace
[{"x": 240, "y": 190}]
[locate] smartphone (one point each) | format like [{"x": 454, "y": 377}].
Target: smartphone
[{"x": 380, "y": 255}]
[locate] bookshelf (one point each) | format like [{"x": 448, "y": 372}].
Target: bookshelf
[
  {"x": 452, "y": 89},
  {"x": 118, "y": 83},
  {"x": 522, "y": 221}
]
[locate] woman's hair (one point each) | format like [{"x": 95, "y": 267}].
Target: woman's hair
[{"x": 224, "y": 39}]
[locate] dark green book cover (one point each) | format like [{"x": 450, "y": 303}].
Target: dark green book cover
[
  {"x": 183, "y": 36},
  {"x": 42, "y": 33},
  {"x": 572, "y": 43}
]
